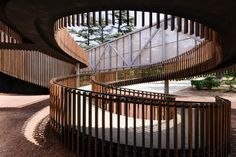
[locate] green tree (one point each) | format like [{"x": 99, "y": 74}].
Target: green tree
[
  {"x": 90, "y": 36},
  {"x": 121, "y": 24},
  {"x": 207, "y": 83},
  {"x": 86, "y": 36}
]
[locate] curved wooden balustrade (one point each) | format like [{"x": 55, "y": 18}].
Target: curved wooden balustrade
[
  {"x": 109, "y": 89},
  {"x": 33, "y": 66},
  {"x": 113, "y": 121},
  {"x": 170, "y": 67},
  {"x": 7, "y": 35},
  {"x": 200, "y": 59},
  {"x": 101, "y": 88},
  {"x": 69, "y": 46},
  {"x": 95, "y": 124}
]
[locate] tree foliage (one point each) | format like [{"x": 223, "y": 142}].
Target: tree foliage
[
  {"x": 122, "y": 27},
  {"x": 207, "y": 83},
  {"x": 90, "y": 36}
]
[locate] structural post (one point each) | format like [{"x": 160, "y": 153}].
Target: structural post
[
  {"x": 77, "y": 68},
  {"x": 166, "y": 87},
  {"x": 177, "y": 42},
  {"x": 163, "y": 44}
]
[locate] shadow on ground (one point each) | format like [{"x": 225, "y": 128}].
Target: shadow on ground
[{"x": 12, "y": 140}]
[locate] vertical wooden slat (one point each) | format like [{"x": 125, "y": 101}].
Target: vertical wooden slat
[
  {"x": 90, "y": 124},
  {"x": 111, "y": 126},
  {"x": 191, "y": 27},
  {"x": 220, "y": 130},
  {"x": 190, "y": 131},
  {"x": 143, "y": 131},
  {"x": 135, "y": 18},
  {"x": 73, "y": 20},
  {"x": 127, "y": 17},
  {"x": 82, "y": 19},
  {"x": 126, "y": 127},
  {"x": 69, "y": 121},
  {"x": 69, "y": 20},
  {"x": 214, "y": 130},
  {"x": 217, "y": 120},
  {"x": 196, "y": 29},
  {"x": 94, "y": 18},
  {"x": 159, "y": 130},
  {"x": 165, "y": 21},
  {"x": 179, "y": 21},
  {"x": 113, "y": 17},
  {"x": 206, "y": 33},
  {"x": 175, "y": 132},
  {"x": 183, "y": 130},
  {"x": 202, "y": 129},
  {"x": 150, "y": 19},
  {"x": 158, "y": 20},
  {"x": 78, "y": 121},
  {"x": 229, "y": 127},
  {"x": 106, "y": 17},
  {"x": 223, "y": 130},
  {"x": 103, "y": 125},
  {"x": 73, "y": 120},
  {"x": 96, "y": 125},
  {"x": 134, "y": 131},
  {"x": 196, "y": 113},
  {"x": 66, "y": 117},
  {"x": 120, "y": 17},
  {"x": 84, "y": 124},
  {"x": 143, "y": 18},
  {"x": 185, "y": 25},
  {"x": 172, "y": 22},
  {"x": 78, "y": 19},
  {"x": 151, "y": 129},
  {"x": 88, "y": 19},
  {"x": 167, "y": 130},
  {"x": 208, "y": 130},
  {"x": 118, "y": 127},
  {"x": 202, "y": 31}
]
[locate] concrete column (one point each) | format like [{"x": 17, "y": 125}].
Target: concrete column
[
  {"x": 77, "y": 68},
  {"x": 166, "y": 87},
  {"x": 77, "y": 73}
]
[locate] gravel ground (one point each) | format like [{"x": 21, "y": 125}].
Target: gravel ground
[{"x": 12, "y": 140}]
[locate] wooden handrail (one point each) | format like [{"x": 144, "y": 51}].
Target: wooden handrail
[
  {"x": 69, "y": 46},
  {"x": 69, "y": 108}
]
